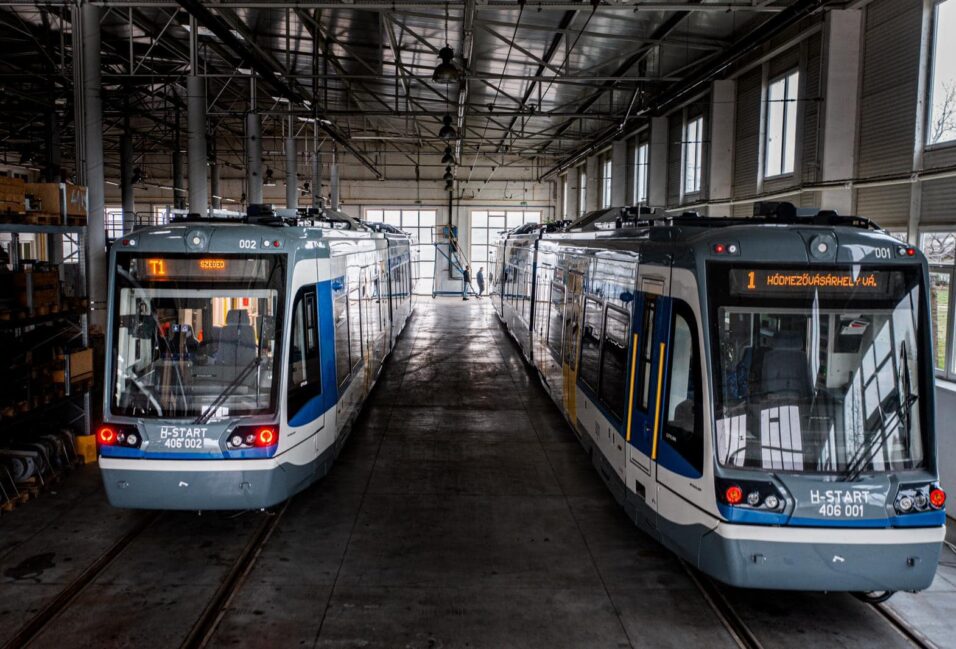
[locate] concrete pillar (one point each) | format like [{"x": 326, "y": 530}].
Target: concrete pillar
[
  {"x": 657, "y": 171},
  {"x": 214, "y": 186},
  {"x": 86, "y": 43},
  {"x": 198, "y": 179},
  {"x": 334, "y": 182},
  {"x": 179, "y": 181},
  {"x": 593, "y": 187},
  {"x": 574, "y": 193},
  {"x": 316, "y": 178},
  {"x": 619, "y": 169},
  {"x": 126, "y": 181},
  {"x": 291, "y": 175},
  {"x": 52, "y": 171},
  {"x": 723, "y": 98},
  {"x": 843, "y": 34},
  {"x": 253, "y": 160}
]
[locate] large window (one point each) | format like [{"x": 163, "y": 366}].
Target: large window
[
  {"x": 780, "y": 144},
  {"x": 486, "y": 226},
  {"x": 305, "y": 369},
  {"x": 940, "y": 250},
  {"x": 565, "y": 208},
  {"x": 614, "y": 361},
  {"x": 582, "y": 191},
  {"x": 606, "y": 171},
  {"x": 421, "y": 225},
  {"x": 590, "y": 369},
  {"x": 683, "y": 429},
  {"x": 693, "y": 152},
  {"x": 641, "y": 165},
  {"x": 942, "y": 114}
]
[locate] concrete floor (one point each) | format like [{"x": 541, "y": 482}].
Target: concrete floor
[{"x": 462, "y": 513}]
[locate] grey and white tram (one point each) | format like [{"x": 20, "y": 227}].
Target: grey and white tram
[
  {"x": 757, "y": 393},
  {"x": 239, "y": 354}
]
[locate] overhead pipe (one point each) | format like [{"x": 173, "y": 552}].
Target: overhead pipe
[
  {"x": 179, "y": 180},
  {"x": 253, "y": 159},
  {"x": 271, "y": 76},
  {"x": 126, "y": 179},
  {"x": 316, "y": 175},
  {"x": 196, "y": 120},
  {"x": 334, "y": 181},
  {"x": 291, "y": 175}
]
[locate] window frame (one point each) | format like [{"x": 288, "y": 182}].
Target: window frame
[
  {"x": 696, "y": 186},
  {"x": 298, "y": 396},
  {"x": 600, "y": 308},
  {"x": 682, "y": 309},
  {"x": 790, "y": 76},
  {"x": 582, "y": 190},
  {"x": 607, "y": 172},
  {"x": 930, "y": 82},
  {"x": 948, "y": 371},
  {"x": 640, "y": 195},
  {"x": 625, "y": 316}
]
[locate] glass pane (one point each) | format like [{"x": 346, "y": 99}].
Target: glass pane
[
  {"x": 426, "y": 218},
  {"x": 942, "y": 120},
  {"x": 373, "y": 215},
  {"x": 479, "y": 219},
  {"x": 939, "y": 247},
  {"x": 479, "y": 235},
  {"x": 496, "y": 223},
  {"x": 392, "y": 218},
  {"x": 410, "y": 218},
  {"x": 939, "y": 305},
  {"x": 532, "y": 217},
  {"x": 514, "y": 219},
  {"x": 479, "y": 254}
]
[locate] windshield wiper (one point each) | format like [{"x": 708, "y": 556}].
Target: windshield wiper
[
  {"x": 227, "y": 392},
  {"x": 870, "y": 449}
]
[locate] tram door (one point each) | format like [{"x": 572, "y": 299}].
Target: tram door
[
  {"x": 574, "y": 302},
  {"x": 649, "y": 341}
]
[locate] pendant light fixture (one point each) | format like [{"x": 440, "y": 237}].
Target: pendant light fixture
[
  {"x": 447, "y": 131},
  {"x": 446, "y": 71},
  {"x": 449, "y": 157},
  {"x": 448, "y": 175}
]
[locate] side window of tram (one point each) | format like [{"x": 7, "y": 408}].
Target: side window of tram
[
  {"x": 305, "y": 369},
  {"x": 591, "y": 343},
  {"x": 557, "y": 319},
  {"x": 614, "y": 361},
  {"x": 683, "y": 429},
  {"x": 647, "y": 350},
  {"x": 340, "y": 311}
]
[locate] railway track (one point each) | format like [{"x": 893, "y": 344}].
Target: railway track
[
  {"x": 744, "y": 637},
  {"x": 205, "y": 626},
  {"x": 32, "y": 628}
]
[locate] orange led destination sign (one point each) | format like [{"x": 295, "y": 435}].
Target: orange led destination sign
[
  {"x": 156, "y": 267},
  {"x": 212, "y": 264},
  {"x": 764, "y": 282}
]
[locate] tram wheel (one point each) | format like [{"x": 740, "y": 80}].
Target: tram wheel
[{"x": 874, "y": 596}]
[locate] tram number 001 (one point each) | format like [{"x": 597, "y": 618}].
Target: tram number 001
[{"x": 833, "y": 510}]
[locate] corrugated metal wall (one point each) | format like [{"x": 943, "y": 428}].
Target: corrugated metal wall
[
  {"x": 891, "y": 48},
  {"x": 939, "y": 203},
  {"x": 747, "y": 136},
  {"x": 888, "y": 206}
]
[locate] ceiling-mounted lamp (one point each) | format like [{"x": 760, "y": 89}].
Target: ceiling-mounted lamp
[
  {"x": 446, "y": 71},
  {"x": 447, "y": 131},
  {"x": 269, "y": 180},
  {"x": 448, "y": 158},
  {"x": 448, "y": 175}
]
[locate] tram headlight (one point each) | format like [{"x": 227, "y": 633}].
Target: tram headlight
[
  {"x": 915, "y": 498},
  {"x": 235, "y": 441},
  {"x": 757, "y": 495},
  {"x": 771, "y": 502},
  {"x": 905, "y": 504},
  {"x": 753, "y": 498},
  {"x": 246, "y": 437}
]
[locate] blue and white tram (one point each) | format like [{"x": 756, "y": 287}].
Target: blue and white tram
[
  {"x": 757, "y": 393},
  {"x": 240, "y": 353}
]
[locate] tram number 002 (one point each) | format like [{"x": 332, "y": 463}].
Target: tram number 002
[
  {"x": 247, "y": 244},
  {"x": 832, "y": 510}
]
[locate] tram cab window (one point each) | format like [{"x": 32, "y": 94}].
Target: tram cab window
[
  {"x": 683, "y": 428},
  {"x": 340, "y": 313},
  {"x": 305, "y": 368},
  {"x": 614, "y": 361},
  {"x": 590, "y": 368}
]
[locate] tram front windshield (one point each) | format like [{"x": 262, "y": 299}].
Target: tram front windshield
[
  {"x": 818, "y": 371},
  {"x": 195, "y": 336}
]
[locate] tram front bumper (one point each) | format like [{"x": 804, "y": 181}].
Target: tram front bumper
[
  {"x": 201, "y": 485},
  {"x": 822, "y": 559}
]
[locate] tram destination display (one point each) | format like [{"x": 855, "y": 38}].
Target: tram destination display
[
  {"x": 200, "y": 268},
  {"x": 763, "y": 282}
]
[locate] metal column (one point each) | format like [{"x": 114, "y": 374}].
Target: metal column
[
  {"x": 253, "y": 160},
  {"x": 291, "y": 176},
  {"x": 179, "y": 182},
  {"x": 334, "y": 181},
  {"x": 86, "y": 35},
  {"x": 316, "y": 178},
  {"x": 126, "y": 180},
  {"x": 196, "y": 106},
  {"x": 214, "y": 190}
]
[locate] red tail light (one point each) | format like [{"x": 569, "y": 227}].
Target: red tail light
[
  {"x": 937, "y": 498},
  {"x": 266, "y": 437},
  {"x": 106, "y": 436},
  {"x": 734, "y": 494}
]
